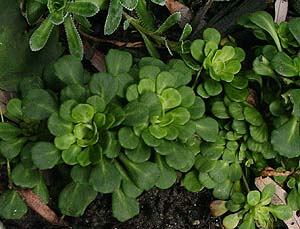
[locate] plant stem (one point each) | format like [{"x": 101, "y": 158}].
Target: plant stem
[
  {"x": 245, "y": 182},
  {"x": 10, "y": 183},
  {"x": 197, "y": 77}
]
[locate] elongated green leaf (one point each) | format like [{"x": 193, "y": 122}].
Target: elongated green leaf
[
  {"x": 41, "y": 190},
  {"x": 294, "y": 95},
  {"x": 284, "y": 65},
  {"x": 85, "y": 9},
  {"x": 38, "y": 104},
  {"x": 74, "y": 40},
  {"x": 150, "y": 46},
  {"x": 124, "y": 207},
  {"x": 145, "y": 15},
  {"x": 191, "y": 182},
  {"x": 69, "y": 70},
  {"x": 74, "y": 199},
  {"x": 8, "y": 131},
  {"x": 105, "y": 177},
  {"x": 283, "y": 212},
  {"x": 265, "y": 21},
  {"x": 12, "y": 205},
  {"x": 41, "y": 35},
  {"x": 14, "y": 108},
  {"x": 45, "y": 155},
  {"x": 168, "y": 23},
  {"x": 294, "y": 28},
  {"x": 114, "y": 17}
]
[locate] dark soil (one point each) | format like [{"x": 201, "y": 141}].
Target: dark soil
[{"x": 174, "y": 208}]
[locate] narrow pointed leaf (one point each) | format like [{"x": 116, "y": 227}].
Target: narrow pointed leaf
[
  {"x": 86, "y": 9},
  {"x": 168, "y": 23},
  {"x": 114, "y": 17}
]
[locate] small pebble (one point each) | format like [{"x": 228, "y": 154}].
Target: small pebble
[
  {"x": 1, "y": 225},
  {"x": 196, "y": 222}
]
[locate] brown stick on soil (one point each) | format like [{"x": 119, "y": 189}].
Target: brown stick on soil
[{"x": 37, "y": 204}]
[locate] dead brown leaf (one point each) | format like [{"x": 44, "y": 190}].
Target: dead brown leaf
[
  {"x": 278, "y": 199},
  {"x": 37, "y": 204},
  {"x": 175, "y": 6}
]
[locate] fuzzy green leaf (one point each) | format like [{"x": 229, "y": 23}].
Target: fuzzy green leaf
[
  {"x": 85, "y": 9},
  {"x": 74, "y": 40},
  {"x": 168, "y": 23},
  {"x": 114, "y": 17}
]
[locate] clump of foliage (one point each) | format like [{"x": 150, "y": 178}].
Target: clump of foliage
[{"x": 138, "y": 124}]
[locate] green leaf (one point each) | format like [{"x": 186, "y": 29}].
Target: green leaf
[
  {"x": 212, "y": 87},
  {"x": 69, "y": 155},
  {"x": 180, "y": 115},
  {"x": 253, "y": 116},
  {"x": 11, "y": 148},
  {"x": 241, "y": 127},
  {"x": 8, "y": 131},
  {"x": 294, "y": 28},
  {"x": 222, "y": 190},
  {"x": 74, "y": 199},
  {"x": 164, "y": 80},
  {"x": 41, "y": 35},
  {"x": 34, "y": 10},
  {"x": 219, "y": 110},
  {"x": 265, "y": 21},
  {"x": 83, "y": 157},
  {"x": 65, "y": 110},
  {"x": 41, "y": 190},
  {"x": 191, "y": 182},
  {"x": 136, "y": 113},
  {"x": 207, "y": 128},
  {"x": 267, "y": 194},
  {"x": 236, "y": 95},
  {"x": 124, "y": 207},
  {"x": 64, "y": 142},
  {"x": 236, "y": 110},
  {"x": 97, "y": 102},
  {"x": 152, "y": 101},
  {"x": 57, "y": 17},
  {"x": 170, "y": 98},
  {"x": 80, "y": 174},
  {"x": 83, "y": 113},
  {"x": 45, "y": 155},
  {"x": 197, "y": 110},
  {"x": 284, "y": 65},
  {"x": 253, "y": 197},
  {"x": 14, "y": 108},
  {"x": 144, "y": 174},
  {"x": 231, "y": 221},
  {"x": 205, "y": 179},
  {"x": 25, "y": 177},
  {"x": 114, "y": 17},
  {"x": 221, "y": 171},
  {"x": 235, "y": 172},
  {"x": 168, "y": 23},
  {"x": 12, "y": 205},
  {"x": 211, "y": 34},
  {"x": 286, "y": 139},
  {"x": 150, "y": 46},
  {"x": 74, "y": 40},
  {"x": 69, "y": 70},
  {"x": 167, "y": 175},
  {"x": 74, "y": 92},
  {"x": 283, "y": 212},
  {"x": 180, "y": 158},
  {"x": 146, "y": 85},
  {"x": 259, "y": 133},
  {"x": 104, "y": 85},
  {"x": 105, "y": 177},
  {"x": 118, "y": 62},
  {"x": 149, "y": 72},
  {"x": 140, "y": 154},
  {"x": 127, "y": 138},
  {"x": 187, "y": 96},
  {"x": 197, "y": 50},
  {"x": 294, "y": 95},
  {"x": 248, "y": 224},
  {"x": 58, "y": 126},
  {"x": 85, "y": 9},
  {"x": 149, "y": 139},
  {"x": 38, "y": 104},
  {"x": 157, "y": 131},
  {"x": 129, "y": 4}
]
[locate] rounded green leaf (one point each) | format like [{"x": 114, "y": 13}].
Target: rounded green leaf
[
  {"x": 197, "y": 47},
  {"x": 212, "y": 87},
  {"x": 259, "y": 133},
  {"x": 83, "y": 113},
  {"x": 164, "y": 80},
  {"x": 253, "y": 116},
  {"x": 25, "y": 177},
  {"x": 136, "y": 113},
  {"x": 283, "y": 212},
  {"x": 253, "y": 197},
  {"x": 85, "y": 9},
  {"x": 45, "y": 155},
  {"x": 132, "y": 92},
  {"x": 208, "y": 129},
  {"x": 140, "y": 154},
  {"x": 231, "y": 221},
  {"x": 187, "y": 96},
  {"x": 170, "y": 98},
  {"x": 69, "y": 156},
  {"x": 8, "y": 131},
  {"x": 12, "y": 205},
  {"x": 219, "y": 110},
  {"x": 191, "y": 182},
  {"x": 206, "y": 180},
  {"x": 221, "y": 172},
  {"x": 74, "y": 199},
  {"x": 222, "y": 190},
  {"x": 127, "y": 138},
  {"x": 211, "y": 34},
  {"x": 14, "y": 108},
  {"x": 180, "y": 115},
  {"x": 149, "y": 139},
  {"x": 97, "y": 102},
  {"x": 146, "y": 85},
  {"x": 65, "y": 110},
  {"x": 11, "y": 148},
  {"x": 149, "y": 72},
  {"x": 124, "y": 207},
  {"x": 197, "y": 110},
  {"x": 38, "y": 104},
  {"x": 58, "y": 126},
  {"x": 105, "y": 177},
  {"x": 167, "y": 175},
  {"x": 64, "y": 142},
  {"x": 117, "y": 61},
  {"x": 157, "y": 131},
  {"x": 236, "y": 110},
  {"x": 74, "y": 92}
]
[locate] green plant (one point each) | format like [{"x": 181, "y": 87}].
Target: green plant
[{"x": 60, "y": 12}]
